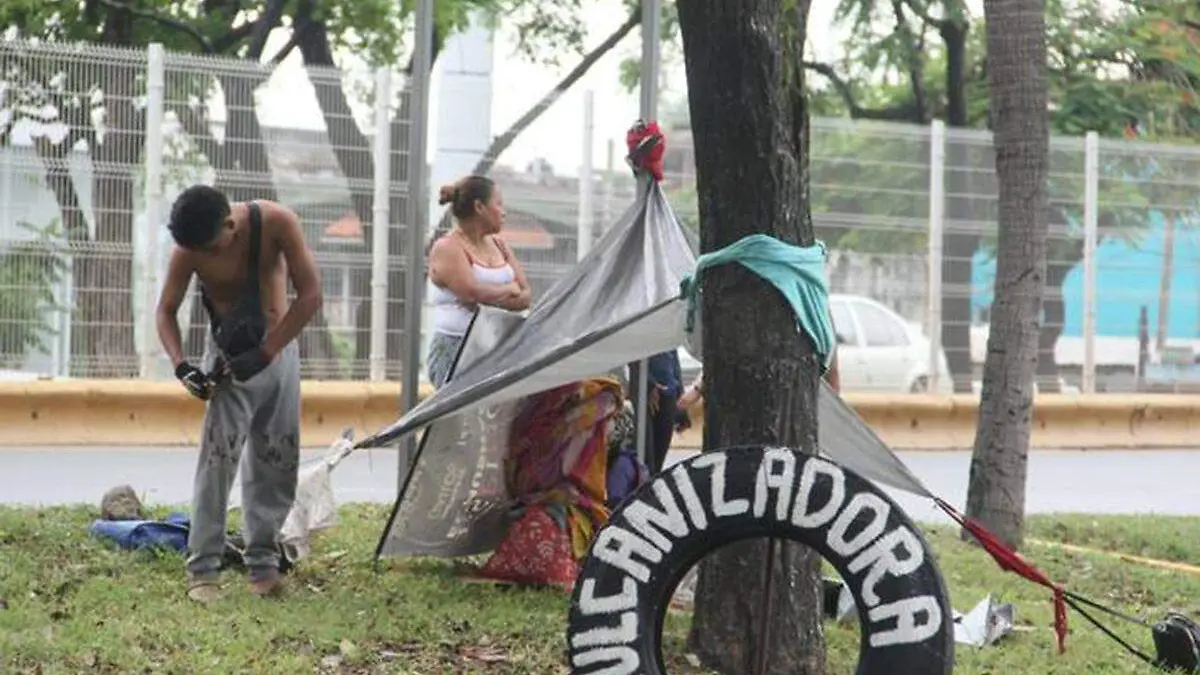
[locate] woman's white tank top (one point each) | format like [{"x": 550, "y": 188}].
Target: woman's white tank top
[{"x": 450, "y": 316}]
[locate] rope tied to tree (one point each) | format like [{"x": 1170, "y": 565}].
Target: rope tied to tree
[{"x": 798, "y": 272}]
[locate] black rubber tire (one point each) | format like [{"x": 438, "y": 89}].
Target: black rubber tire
[{"x": 637, "y": 559}]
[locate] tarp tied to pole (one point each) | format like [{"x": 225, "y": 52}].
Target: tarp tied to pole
[
  {"x": 619, "y": 304},
  {"x": 622, "y": 303}
]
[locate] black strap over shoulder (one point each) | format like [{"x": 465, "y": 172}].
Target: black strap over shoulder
[
  {"x": 256, "y": 224},
  {"x": 245, "y": 326}
]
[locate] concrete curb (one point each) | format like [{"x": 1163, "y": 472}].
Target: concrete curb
[{"x": 150, "y": 413}]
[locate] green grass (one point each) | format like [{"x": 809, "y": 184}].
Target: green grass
[{"x": 71, "y": 604}]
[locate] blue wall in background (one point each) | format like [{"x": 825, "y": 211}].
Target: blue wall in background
[{"x": 1128, "y": 274}]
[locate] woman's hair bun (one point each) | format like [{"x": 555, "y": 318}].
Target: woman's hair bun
[{"x": 447, "y": 193}]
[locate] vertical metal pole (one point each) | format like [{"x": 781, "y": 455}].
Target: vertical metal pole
[
  {"x": 587, "y": 211},
  {"x": 155, "y": 104},
  {"x": 651, "y": 56},
  {"x": 1091, "y": 234},
  {"x": 609, "y": 180},
  {"x": 937, "y": 228},
  {"x": 379, "y": 223},
  {"x": 418, "y": 112}
]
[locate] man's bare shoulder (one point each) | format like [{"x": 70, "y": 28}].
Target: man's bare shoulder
[
  {"x": 279, "y": 220},
  {"x": 181, "y": 258}
]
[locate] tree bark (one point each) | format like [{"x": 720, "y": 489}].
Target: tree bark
[
  {"x": 103, "y": 331},
  {"x": 1058, "y": 265},
  {"x": 1164, "y": 283},
  {"x": 751, "y": 134},
  {"x": 1016, "y": 52},
  {"x": 102, "y": 343},
  {"x": 959, "y": 244},
  {"x": 354, "y": 156}
]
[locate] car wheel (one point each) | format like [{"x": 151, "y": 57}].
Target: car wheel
[{"x": 920, "y": 385}]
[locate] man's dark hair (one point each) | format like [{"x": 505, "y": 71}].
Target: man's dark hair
[{"x": 197, "y": 215}]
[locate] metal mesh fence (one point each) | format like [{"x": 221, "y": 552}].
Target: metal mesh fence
[
  {"x": 72, "y": 144},
  {"x": 1148, "y": 267},
  {"x": 84, "y": 248},
  {"x": 325, "y": 174}
]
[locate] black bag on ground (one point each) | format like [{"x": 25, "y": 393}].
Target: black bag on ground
[{"x": 1177, "y": 644}]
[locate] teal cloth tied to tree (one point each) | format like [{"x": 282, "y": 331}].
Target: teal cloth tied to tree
[{"x": 797, "y": 271}]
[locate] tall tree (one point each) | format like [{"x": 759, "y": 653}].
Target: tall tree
[
  {"x": 1016, "y": 53},
  {"x": 546, "y": 32},
  {"x": 46, "y": 80},
  {"x": 750, "y": 128}
]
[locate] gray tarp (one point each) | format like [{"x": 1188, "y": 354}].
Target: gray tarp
[{"x": 620, "y": 304}]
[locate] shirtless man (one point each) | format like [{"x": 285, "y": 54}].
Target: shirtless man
[{"x": 243, "y": 255}]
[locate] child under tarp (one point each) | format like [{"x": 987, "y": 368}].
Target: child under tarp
[{"x": 556, "y": 471}]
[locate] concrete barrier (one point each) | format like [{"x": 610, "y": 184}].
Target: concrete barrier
[
  {"x": 1098, "y": 421},
  {"x": 142, "y": 413}
]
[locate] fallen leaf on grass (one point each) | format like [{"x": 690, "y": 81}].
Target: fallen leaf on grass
[{"x": 483, "y": 653}]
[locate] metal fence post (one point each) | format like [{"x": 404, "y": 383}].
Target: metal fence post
[
  {"x": 651, "y": 55},
  {"x": 1091, "y": 207},
  {"x": 937, "y": 225},
  {"x": 587, "y": 212},
  {"x": 379, "y": 223},
  {"x": 418, "y": 90},
  {"x": 155, "y": 103}
]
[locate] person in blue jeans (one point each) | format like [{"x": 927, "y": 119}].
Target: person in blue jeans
[{"x": 665, "y": 386}]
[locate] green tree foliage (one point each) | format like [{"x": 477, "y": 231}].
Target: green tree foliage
[
  {"x": 77, "y": 91},
  {"x": 29, "y": 271}
]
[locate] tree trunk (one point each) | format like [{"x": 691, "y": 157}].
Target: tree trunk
[
  {"x": 1164, "y": 285},
  {"x": 1016, "y": 53},
  {"x": 355, "y": 158},
  {"x": 102, "y": 333},
  {"x": 750, "y": 125},
  {"x": 959, "y": 244},
  {"x": 1054, "y": 313}
]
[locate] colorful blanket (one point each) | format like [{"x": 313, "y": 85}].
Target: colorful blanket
[{"x": 556, "y": 471}]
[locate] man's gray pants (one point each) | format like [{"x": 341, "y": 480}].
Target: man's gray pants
[{"x": 261, "y": 414}]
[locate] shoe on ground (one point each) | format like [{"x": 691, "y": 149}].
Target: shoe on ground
[
  {"x": 269, "y": 587},
  {"x": 204, "y": 592}
]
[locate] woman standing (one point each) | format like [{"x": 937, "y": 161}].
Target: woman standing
[{"x": 468, "y": 267}]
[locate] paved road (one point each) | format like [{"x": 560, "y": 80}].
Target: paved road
[{"x": 1097, "y": 482}]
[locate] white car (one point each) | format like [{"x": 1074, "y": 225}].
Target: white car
[{"x": 877, "y": 350}]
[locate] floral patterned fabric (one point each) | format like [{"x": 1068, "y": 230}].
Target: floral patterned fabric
[{"x": 556, "y": 470}]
